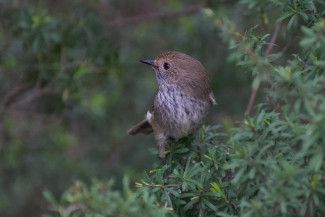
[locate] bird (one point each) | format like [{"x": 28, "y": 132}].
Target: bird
[{"x": 182, "y": 101}]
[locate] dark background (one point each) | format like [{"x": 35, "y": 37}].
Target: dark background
[{"x": 71, "y": 85}]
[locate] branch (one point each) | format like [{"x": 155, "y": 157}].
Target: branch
[
  {"x": 268, "y": 50},
  {"x": 155, "y": 16},
  {"x": 251, "y": 101},
  {"x": 12, "y": 95},
  {"x": 273, "y": 39}
]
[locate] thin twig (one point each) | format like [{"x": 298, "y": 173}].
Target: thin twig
[
  {"x": 273, "y": 39},
  {"x": 251, "y": 101},
  {"x": 268, "y": 50},
  {"x": 155, "y": 16},
  {"x": 11, "y": 96}
]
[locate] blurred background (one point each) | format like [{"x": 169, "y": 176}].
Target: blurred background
[{"x": 71, "y": 85}]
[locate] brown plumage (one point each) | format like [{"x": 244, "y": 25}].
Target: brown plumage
[{"x": 183, "y": 99}]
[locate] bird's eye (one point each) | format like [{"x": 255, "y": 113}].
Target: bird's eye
[{"x": 166, "y": 66}]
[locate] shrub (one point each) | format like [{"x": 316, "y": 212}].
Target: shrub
[{"x": 270, "y": 165}]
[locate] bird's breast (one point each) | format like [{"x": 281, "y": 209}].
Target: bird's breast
[{"x": 178, "y": 113}]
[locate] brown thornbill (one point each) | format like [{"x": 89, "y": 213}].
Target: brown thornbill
[{"x": 182, "y": 101}]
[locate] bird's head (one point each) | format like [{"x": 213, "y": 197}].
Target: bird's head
[{"x": 175, "y": 68}]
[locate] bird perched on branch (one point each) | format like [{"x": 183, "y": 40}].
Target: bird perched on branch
[{"x": 182, "y": 101}]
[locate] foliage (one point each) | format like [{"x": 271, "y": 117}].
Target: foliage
[
  {"x": 271, "y": 165},
  {"x": 71, "y": 85},
  {"x": 69, "y": 91},
  {"x": 101, "y": 200}
]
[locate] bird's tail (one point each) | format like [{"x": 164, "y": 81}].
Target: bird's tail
[{"x": 142, "y": 127}]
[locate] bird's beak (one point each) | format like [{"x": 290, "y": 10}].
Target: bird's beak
[{"x": 149, "y": 62}]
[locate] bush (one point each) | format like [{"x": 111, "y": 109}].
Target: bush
[
  {"x": 270, "y": 165},
  {"x": 101, "y": 200}
]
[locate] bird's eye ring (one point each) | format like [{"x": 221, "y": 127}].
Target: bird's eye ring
[{"x": 166, "y": 66}]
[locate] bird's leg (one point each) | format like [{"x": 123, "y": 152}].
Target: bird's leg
[{"x": 162, "y": 141}]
